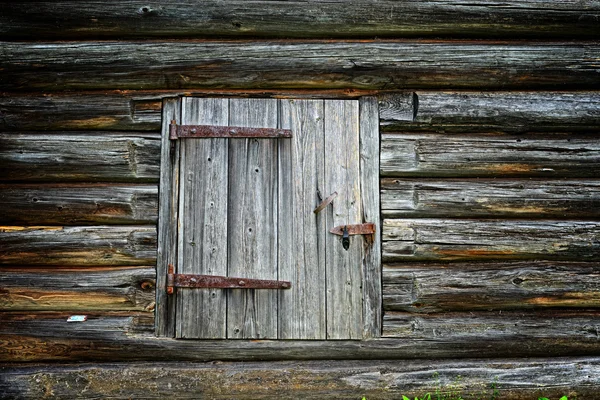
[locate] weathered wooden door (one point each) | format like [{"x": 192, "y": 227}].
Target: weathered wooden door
[{"x": 246, "y": 209}]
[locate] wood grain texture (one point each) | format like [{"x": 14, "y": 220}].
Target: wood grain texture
[
  {"x": 387, "y": 380},
  {"x": 448, "y": 111},
  {"x": 77, "y": 290},
  {"x": 78, "y": 204},
  {"x": 520, "y": 198},
  {"x": 342, "y": 175},
  {"x": 81, "y": 111},
  {"x": 448, "y": 156},
  {"x": 455, "y": 240},
  {"x": 301, "y": 233},
  {"x": 472, "y": 111},
  {"x": 47, "y": 337},
  {"x": 39, "y": 157},
  {"x": 252, "y": 220},
  {"x": 167, "y": 239},
  {"x": 525, "y": 285},
  {"x": 497, "y": 326},
  {"x": 135, "y": 19},
  {"x": 62, "y": 246},
  {"x": 377, "y": 64},
  {"x": 202, "y": 226},
  {"x": 369, "y": 191}
]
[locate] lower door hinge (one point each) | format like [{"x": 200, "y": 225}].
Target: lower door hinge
[{"x": 219, "y": 282}]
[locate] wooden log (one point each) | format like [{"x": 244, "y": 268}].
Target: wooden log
[
  {"x": 465, "y": 111},
  {"x": 436, "y": 155},
  {"x": 75, "y": 290},
  {"x": 456, "y": 240},
  {"x": 78, "y": 204},
  {"x": 508, "y": 325},
  {"x": 63, "y": 246},
  {"x": 298, "y": 64},
  {"x": 133, "y": 19},
  {"x": 515, "y": 379},
  {"x": 114, "y": 110},
  {"x": 428, "y": 288},
  {"x": 490, "y": 198},
  {"x": 48, "y": 337},
  {"x": 61, "y": 157},
  {"x": 514, "y": 112}
]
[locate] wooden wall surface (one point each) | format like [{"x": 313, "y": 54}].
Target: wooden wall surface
[{"x": 490, "y": 184}]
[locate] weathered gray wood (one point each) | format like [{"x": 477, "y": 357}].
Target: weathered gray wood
[
  {"x": 369, "y": 191},
  {"x": 301, "y": 233},
  {"x": 387, "y": 65},
  {"x": 47, "y": 337},
  {"x": 78, "y": 290},
  {"x": 455, "y": 240},
  {"x": 94, "y": 245},
  {"x": 515, "y": 379},
  {"x": 342, "y": 175},
  {"x": 490, "y": 198},
  {"x": 81, "y": 111},
  {"x": 427, "y": 288},
  {"x": 203, "y": 234},
  {"x": 78, "y": 204},
  {"x": 497, "y": 325},
  {"x": 134, "y": 19},
  {"x": 436, "y": 155},
  {"x": 252, "y": 220},
  {"x": 141, "y": 110},
  {"x": 78, "y": 157},
  {"x": 167, "y": 220},
  {"x": 464, "y": 111}
]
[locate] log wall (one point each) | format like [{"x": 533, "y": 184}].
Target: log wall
[{"x": 490, "y": 191}]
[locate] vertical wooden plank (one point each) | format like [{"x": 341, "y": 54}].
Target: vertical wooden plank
[
  {"x": 369, "y": 195},
  {"x": 342, "y": 175},
  {"x": 203, "y": 221},
  {"x": 301, "y": 241},
  {"x": 252, "y": 220},
  {"x": 167, "y": 220}
]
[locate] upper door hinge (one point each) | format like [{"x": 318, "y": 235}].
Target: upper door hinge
[{"x": 213, "y": 131}]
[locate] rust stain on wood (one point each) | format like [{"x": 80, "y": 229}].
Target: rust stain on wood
[{"x": 29, "y": 228}]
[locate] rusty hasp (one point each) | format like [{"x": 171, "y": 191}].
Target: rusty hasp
[
  {"x": 355, "y": 229},
  {"x": 220, "y": 282},
  {"x": 212, "y": 131}
]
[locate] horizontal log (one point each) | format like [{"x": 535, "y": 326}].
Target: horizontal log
[
  {"x": 78, "y": 204},
  {"x": 492, "y": 198},
  {"x": 81, "y": 290},
  {"x": 580, "y": 326},
  {"x": 298, "y": 64},
  {"x": 514, "y": 112},
  {"x": 64, "y": 246},
  {"x": 79, "y": 157},
  {"x": 112, "y": 110},
  {"x": 514, "y": 379},
  {"x": 48, "y": 337},
  {"x": 437, "y": 155},
  {"x": 456, "y": 240},
  {"x": 435, "y": 111},
  {"x": 135, "y": 19},
  {"x": 428, "y": 288}
]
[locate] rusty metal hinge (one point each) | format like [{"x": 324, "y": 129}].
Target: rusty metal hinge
[
  {"x": 212, "y": 131},
  {"x": 219, "y": 282},
  {"x": 356, "y": 229}
]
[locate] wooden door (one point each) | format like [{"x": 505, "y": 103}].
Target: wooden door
[{"x": 246, "y": 209}]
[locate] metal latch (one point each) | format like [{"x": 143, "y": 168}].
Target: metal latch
[
  {"x": 357, "y": 229},
  {"x": 219, "y": 282},
  {"x": 212, "y": 131}
]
